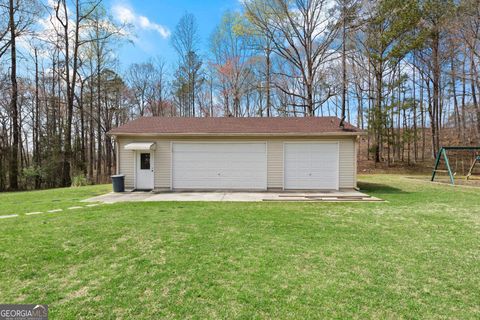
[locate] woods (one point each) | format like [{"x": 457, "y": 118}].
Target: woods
[{"x": 405, "y": 71}]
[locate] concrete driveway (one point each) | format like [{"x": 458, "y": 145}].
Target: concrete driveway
[{"x": 333, "y": 196}]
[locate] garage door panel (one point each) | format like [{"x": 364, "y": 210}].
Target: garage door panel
[
  {"x": 311, "y": 166},
  {"x": 219, "y": 166},
  {"x": 221, "y": 148}
]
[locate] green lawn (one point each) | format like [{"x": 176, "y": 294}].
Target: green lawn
[
  {"x": 23, "y": 202},
  {"x": 415, "y": 256}
]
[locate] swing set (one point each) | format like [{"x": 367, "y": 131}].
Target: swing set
[{"x": 443, "y": 153}]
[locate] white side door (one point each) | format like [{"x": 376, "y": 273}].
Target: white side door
[
  {"x": 311, "y": 165},
  {"x": 144, "y": 170}
]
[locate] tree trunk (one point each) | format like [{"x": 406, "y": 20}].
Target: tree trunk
[
  {"x": 464, "y": 94},
  {"x": 415, "y": 133},
  {"x": 268, "y": 80},
  {"x": 433, "y": 124},
  {"x": 91, "y": 139},
  {"x": 70, "y": 84},
  {"x": 474, "y": 93},
  {"x": 435, "y": 119},
  {"x": 456, "y": 112},
  {"x": 99, "y": 123},
  {"x": 378, "y": 114},
  {"x": 344, "y": 65},
  {"x": 13, "y": 175},
  {"x": 83, "y": 151},
  {"x": 37, "y": 158},
  {"x": 422, "y": 118}
]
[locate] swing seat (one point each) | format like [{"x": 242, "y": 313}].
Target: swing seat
[
  {"x": 470, "y": 172},
  {"x": 475, "y": 178},
  {"x": 446, "y": 171}
]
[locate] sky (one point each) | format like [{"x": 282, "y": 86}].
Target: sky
[{"x": 153, "y": 22}]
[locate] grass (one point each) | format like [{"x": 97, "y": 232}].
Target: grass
[
  {"x": 31, "y": 201},
  {"x": 415, "y": 256}
]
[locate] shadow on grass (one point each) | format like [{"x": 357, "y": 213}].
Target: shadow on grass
[{"x": 380, "y": 188}]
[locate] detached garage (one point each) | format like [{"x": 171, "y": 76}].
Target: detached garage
[{"x": 156, "y": 153}]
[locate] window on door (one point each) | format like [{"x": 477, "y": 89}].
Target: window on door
[{"x": 145, "y": 161}]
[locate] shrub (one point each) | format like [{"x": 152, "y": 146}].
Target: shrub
[
  {"x": 29, "y": 175},
  {"x": 79, "y": 180}
]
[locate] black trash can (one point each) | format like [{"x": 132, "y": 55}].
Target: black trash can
[{"x": 118, "y": 182}]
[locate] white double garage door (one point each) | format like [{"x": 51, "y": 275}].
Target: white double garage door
[{"x": 244, "y": 165}]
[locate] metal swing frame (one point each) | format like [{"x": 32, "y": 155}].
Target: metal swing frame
[{"x": 443, "y": 153}]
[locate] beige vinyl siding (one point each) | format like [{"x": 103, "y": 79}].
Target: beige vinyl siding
[
  {"x": 275, "y": 158},
  {"x": 347, "y": 165},
  {"x": 127, "y": 163},
  {"x": 163, "y": 156},
  {"x": 275, "y": 164}
]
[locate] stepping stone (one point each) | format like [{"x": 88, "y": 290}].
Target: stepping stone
[
  {"x": 92, "y": 205},
  {"x": 74, "y": 208},
  {"x": 31, "y": 213},
  {"x": 55, "y": 210},
  {"x": 9, "y": 216}
]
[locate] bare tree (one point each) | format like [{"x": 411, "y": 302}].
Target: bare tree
[
  {"x": 233, "y": 63},
  {"x": 302, "y": 33},
  {"x": 84, "y": 23},
  {"x": 20, "y": 19},
  {"x": 185, "y": 41},
  {"x": 348, "y": 13},
  {"x": 82, "y": 11},
  {"x": 158, "y": 97},
  {"x": 141, "y": 78}
]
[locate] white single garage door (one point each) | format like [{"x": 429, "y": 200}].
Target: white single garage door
[
  {"x": 311, "y": 165},
  {"x": 219, "y": 165}
]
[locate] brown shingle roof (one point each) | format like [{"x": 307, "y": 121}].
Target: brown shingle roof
[{"x": 235, "y": 126}]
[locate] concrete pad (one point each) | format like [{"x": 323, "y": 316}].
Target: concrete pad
[{"x": 328, "y": 196}]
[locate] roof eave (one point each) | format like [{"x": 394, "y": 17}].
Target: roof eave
[{"x": 195, "y": 134}]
